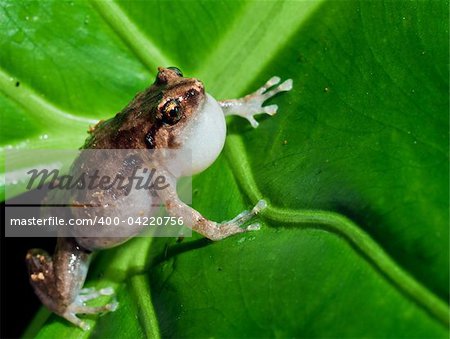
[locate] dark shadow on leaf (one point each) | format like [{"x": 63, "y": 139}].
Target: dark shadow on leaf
[{"x": 178, "y": 248}]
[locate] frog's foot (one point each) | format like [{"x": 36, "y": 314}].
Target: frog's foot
[
  {"x": 252, "y": 104},
  {"x": 79, "y": 307},
  {"x": 91, "y": 293},
  {"x": 233, "y": 226}
]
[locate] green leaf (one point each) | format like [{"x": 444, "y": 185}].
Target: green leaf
[{"x": 354, "y": 165}]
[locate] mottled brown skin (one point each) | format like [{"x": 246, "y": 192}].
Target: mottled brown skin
[
  {"x": 144, "y": 115},
  {"x": 143, "y": 124},
  {"x": 140, "y": 125},
  {"x": 46, "y": 277}
]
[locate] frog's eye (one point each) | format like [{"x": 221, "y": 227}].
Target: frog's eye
[
  {"x": 171, "y": 111},
  {"x": 176, "y": 70}
]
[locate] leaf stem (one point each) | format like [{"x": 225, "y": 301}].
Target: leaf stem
[
  {"x": 43, "y": 111},
  {"x": 342, "y": 226},
  {"x": 145, "y": 50},
  {"x": 140, "y": 289}
]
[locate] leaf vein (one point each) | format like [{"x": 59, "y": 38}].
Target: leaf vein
[
  {"x": 342, "y": 226},
  {"x": 37, "y": 106},
  {"x": 143, "y": 48}
]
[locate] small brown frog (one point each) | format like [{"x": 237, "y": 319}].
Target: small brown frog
[{"x": 173, "y": 113}]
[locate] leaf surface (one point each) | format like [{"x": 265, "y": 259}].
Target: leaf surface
[{"x": 354, "y": 165}]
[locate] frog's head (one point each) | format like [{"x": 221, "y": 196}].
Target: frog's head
[
  {"x": 181, "y": 97},
  {"x": 190, "y": 120}
]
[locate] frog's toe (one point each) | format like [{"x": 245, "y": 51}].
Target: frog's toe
[
  {"x": 106, "y": 291},
  {"x": 76, "y": 321},
  {"x": 84, "y": 326},
  {"x": 86, "y": 290},
  {"x": 252, "y": 121},
  {"x": 271, "y": 82},
  {"x": 113, "y": 306},
  {"x": 235, "y": 224},
  {"x": 80, "y": 308},
  {"x": 74, "y": 309},
  {"x": 283, "y": 87},
  {"x": 254, "y": 227},
  {"x": 271, "y": 109},
  {"x": 91, "y": 293},
  {"x": 286, "y": 86}
]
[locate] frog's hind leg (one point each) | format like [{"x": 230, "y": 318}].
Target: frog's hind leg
[
  {"x": 57, "y": 281},
  {"x": 42, "y": 278}
]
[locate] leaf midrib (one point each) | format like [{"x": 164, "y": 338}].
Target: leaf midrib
[
  {"x": 148, "y": 53},
  {"x": 40, "y": 109},
  {"x": 341, "y": 226}
]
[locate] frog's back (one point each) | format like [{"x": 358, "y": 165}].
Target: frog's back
[{"x": 129, "y": 128}]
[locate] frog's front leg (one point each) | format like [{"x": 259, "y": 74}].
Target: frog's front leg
[
  {"x": 252, "y": 103},
  {"x": 58, "y": 281},
  {"x": 193, "y": 219}
]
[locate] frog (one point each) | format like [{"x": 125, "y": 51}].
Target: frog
[{"x": 174, "y": 112}]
